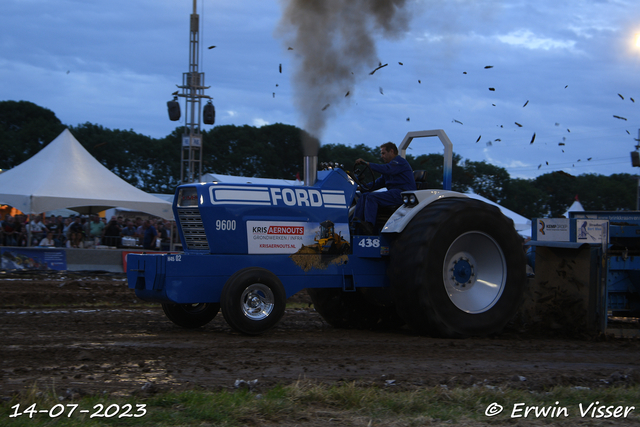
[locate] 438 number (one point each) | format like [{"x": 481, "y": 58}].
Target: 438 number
[{"x": 369, "y": 243}]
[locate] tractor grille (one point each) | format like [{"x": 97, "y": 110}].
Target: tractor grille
[{"x": 192, "y": 229}]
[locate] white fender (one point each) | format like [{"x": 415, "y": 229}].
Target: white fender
[{"x": 404, "y": 214}]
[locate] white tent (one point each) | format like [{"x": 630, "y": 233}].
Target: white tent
[
  {"x": 64, "y": 175},
  {"x": 521, "y": 223},
  {"x": 576, "y": 206}
]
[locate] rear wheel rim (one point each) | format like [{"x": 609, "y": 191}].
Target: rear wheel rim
[
  {"x": 257, "y": 301},
  {"x": 474, "y": 272}
]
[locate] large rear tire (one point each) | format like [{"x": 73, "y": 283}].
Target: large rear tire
[
  {"x": 191, "y": 315},
  {"x": 253, "y": 300},
  {"x": 458, "y": 269},
  {"x": 353, "y": 310}
]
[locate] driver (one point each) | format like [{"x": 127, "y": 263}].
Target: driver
[{"x": 397, "y": 177}]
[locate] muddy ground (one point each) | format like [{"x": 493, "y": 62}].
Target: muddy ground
[{"x": 89, "y": 334}]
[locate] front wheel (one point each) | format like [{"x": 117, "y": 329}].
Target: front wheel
[
  {"x": 253, "y": 300},
  {"x": 191, "y": 315},
  {"x": 458, "y": 269}
]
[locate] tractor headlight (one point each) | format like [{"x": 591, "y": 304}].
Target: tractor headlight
[{"x": 410, "y": 199}]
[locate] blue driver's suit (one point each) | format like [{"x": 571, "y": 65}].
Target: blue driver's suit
[{"x": 397, "y": 177}]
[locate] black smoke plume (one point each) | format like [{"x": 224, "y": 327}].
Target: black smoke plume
[{"x": 334, "y": 43}]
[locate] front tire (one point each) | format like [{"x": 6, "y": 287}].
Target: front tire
[
  {"x": 458, "y": 269},
  {"x": 253, "y": 300},
  {"x": 191, "y": 315}
]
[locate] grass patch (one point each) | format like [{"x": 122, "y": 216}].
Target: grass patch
[{"x": 314, "y": 404}]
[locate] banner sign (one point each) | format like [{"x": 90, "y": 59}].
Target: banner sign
[
  {"x": 552, "y": 229},
  {"x": 33, "y": 259},
  {"x": 283, "y": 237}
]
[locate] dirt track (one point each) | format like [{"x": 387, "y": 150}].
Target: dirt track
[{"x": 88, "y": 334}]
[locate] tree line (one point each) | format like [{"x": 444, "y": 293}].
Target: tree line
[{"x": 275, "y": 151}]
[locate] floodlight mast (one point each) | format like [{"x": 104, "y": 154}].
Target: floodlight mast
[{"x": 192, "y": 89}]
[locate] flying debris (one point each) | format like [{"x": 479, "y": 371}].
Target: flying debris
[
  {"x": 464, "y": 72},
  {"x": 561, "y": 143},
  {"x": 525, "y": 104},
  {"x": 381, "y": 91},
  {"x": 175, "y": 93},
  {"x": 492, "y": 89},
  {"x": 566, "y": 86},
  {"x": 400, "y": 63},
  {"x": 489, "y": 144},
  {"x": 518, "y": 124},
  {"x": 68, "y": 71},
  {"x": 419, "y": 82},
  {"x": 478, "y": 139},
  {"x": 325, "y": 107},
  {"x": 589, "y": 159},
  {"x": 621, "y": 97},
  {"x": 456, "y": 121},
  {"x": 632, "y": 100},
  {"x": 380, "y": 66},
  {"x": 408, "y": 119},
  {"x": 289, "y": 48},
  {"x": 569, "y": 130},
  {"x": 280, "y": 68},
  {"x": 347, "y": 94},
  {"x": 498, "y": 140},
  {"x": 533, "y": 138},
  {"x": 547, "y": 163},
  {"x": 211, "y": 47},
  {"x": 488, "y": 66},
  {"x": 493, "y": 105},
  {"x": 274, "y": 94},
  {"x": 540, "y": 165},
  {"x": 618, "y": 117},
  {"x": 629, "y": 133},
  {"x": 557, "y": 124}
]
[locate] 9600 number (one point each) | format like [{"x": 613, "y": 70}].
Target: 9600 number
[{"x": 225, "y": 224}]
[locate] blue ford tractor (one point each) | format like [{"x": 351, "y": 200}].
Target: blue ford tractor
[{"x": 443, "y": 263}]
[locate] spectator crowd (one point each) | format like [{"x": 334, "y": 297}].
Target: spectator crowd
[{"x": 82, "y": 231}]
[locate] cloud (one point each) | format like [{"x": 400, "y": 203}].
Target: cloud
[
  {"x": 260, "y": 122},
  {"x": 529, "y": 40}
]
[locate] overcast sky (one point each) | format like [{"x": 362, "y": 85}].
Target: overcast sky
[{"x": 116, "y": 63}]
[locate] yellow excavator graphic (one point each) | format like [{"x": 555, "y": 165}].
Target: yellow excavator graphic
[{"x": 328, "y": 241}]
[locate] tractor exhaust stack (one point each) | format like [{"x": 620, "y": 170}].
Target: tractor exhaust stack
[{"x": 310, "y": 170}]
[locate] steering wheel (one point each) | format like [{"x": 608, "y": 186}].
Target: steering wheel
[{"x": 360, "y": 172}]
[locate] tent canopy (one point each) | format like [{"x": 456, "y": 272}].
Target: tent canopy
[
  {"x": 64, "y": 175},
  {"x": 576, "y": 206},
  {"x": 521, "y": 223}
]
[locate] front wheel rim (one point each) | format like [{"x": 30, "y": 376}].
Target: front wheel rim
[
  {"x": 257, "y": 301},
  {"x": 474, "y": 272}
]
